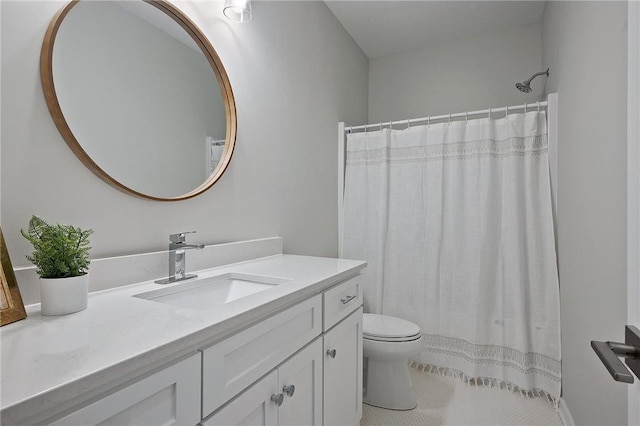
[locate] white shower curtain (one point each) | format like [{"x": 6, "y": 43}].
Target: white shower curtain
[{"x": 456, "y": 225}]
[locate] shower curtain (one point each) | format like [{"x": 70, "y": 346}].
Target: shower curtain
[{"x": 455, "y": 222}]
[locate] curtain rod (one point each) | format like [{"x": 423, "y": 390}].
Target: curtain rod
[{"x": 428, "y": 119}]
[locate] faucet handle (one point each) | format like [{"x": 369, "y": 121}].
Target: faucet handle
[{"x": 180, "y": 237}]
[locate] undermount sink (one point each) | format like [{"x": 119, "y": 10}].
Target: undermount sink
[{"x": 204, "y": 293}]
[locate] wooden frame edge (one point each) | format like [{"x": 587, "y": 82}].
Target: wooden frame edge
[{"x": 10, "y": 291}]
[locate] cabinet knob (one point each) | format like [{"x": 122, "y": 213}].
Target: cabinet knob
[
  {"x": 289, "y": 390},
  {"x": 331, "y": 353},
  {"x": 277, "y": 399}
]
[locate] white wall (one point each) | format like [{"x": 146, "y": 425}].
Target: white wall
[
  {"x": 458, "y": 76},
  {"x": 584, "y": 44},
  {"x": 295, "y": 73}
]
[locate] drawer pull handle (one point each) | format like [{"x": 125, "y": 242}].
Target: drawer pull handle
[
  {"x": 277, "y": 399},
  {"x": 331, "y": 353},
  {"x": 289, "y": 390},
  {"x": 347, "y": 299}
]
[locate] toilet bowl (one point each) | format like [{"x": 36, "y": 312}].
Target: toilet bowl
[{"x": 388, "y": 344}]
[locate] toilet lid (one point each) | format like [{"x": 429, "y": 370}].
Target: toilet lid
[{"x": 387, "y": 327}]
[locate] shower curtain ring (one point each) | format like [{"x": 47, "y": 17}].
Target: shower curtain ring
[
  {"x": 489, "y": 113},
  {"x": 428, "y": 121},
  {"x": 449, "y": 118},
  {"x": 525, "y": 107},
  {"x": 408, "y": 124},
  {"x": 538, "y": 103},
  {"x": 466, "y": 117},
  {"x": 506, "y": 111},
  {"x": 380, "y": 124}
]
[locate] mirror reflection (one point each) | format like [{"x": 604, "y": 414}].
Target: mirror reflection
[{"x": 139, "y": 96}]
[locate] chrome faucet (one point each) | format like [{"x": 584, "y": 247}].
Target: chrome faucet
[{"x": 177, "y": 255}]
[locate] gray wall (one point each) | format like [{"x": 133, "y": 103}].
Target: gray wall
[
  {"x": 584, "y": 44},
  {"x": 293, "y": 78},
  {"x": 458, "y": 76}
]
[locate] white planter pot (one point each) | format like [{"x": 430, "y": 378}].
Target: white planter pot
[{"x": 59, "y": 296}]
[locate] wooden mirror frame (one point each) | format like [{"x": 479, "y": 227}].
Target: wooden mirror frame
[
  {"x": 46, "y": 75},
  {"x": 11, "y": 300}
]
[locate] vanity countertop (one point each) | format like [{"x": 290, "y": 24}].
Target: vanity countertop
[{"x": 51, "y": 361}]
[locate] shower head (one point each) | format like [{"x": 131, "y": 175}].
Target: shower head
[{"x": 525, "y": 86}]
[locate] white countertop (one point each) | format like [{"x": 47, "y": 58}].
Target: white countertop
[{"x": 50, "y": 362}]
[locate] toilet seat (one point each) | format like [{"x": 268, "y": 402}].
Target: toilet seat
[
  {"x": 391, "y": 339},
  {"x": 385, "y": 328}
]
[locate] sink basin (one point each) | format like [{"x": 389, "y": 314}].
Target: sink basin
[{"x": 204, "y": 293}]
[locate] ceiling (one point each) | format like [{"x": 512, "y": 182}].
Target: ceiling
[{"x": 384, "y": 28}]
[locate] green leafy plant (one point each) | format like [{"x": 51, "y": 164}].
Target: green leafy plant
[{"x": 61, "y": 251}]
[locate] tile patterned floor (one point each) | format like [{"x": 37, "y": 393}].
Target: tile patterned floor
[{"x": 447, "y": 401}]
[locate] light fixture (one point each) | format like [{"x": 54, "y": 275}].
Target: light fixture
[{"x": 237, "y": 10}]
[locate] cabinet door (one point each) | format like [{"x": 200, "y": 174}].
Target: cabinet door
[
  {"x": 343, "y": 372},
  {"x": 304, "y": 371},
  {"x": 169, "y": 397},
  {"x": 252, "y": 408}
]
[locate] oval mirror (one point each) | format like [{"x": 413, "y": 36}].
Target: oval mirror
[{"x": 140, "y": 96}]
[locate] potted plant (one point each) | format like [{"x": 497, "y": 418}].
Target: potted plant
[{"x": 61, "y": 256}]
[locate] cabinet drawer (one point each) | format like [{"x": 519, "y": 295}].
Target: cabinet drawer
[
  {"x": 230, "y": 366},
  {"x": 169, "y": 397},
  {"x": 341, "y": 300}
]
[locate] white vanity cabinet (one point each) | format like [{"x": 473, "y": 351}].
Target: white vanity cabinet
[
  {"x": 326, "y": 374},
  {"x": 288, "y": 396},
  {"x": 301, "y": 366},
  {"x": 170, "y": 396}
]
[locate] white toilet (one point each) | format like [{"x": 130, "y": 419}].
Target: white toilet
[{"x": 388, "y": 343}]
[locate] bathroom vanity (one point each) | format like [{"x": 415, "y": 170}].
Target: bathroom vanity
[{"x": 281, "y": 344}]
